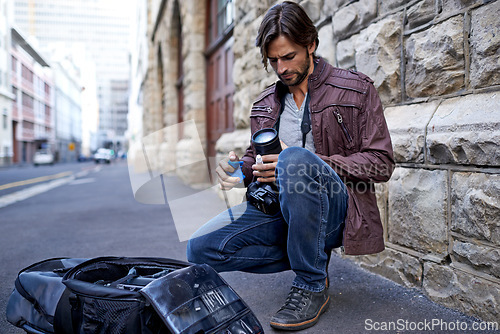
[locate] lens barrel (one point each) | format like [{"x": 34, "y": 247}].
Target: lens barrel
[{"x": 266, "y": 141}]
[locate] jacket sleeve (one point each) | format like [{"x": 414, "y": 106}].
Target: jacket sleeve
[
  {"x": 374, "y": 161},
  {"x": 248, "y": 160}
]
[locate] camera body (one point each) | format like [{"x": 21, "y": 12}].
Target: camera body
[{"x": 265, "y": 195}]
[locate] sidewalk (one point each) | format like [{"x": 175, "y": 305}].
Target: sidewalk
[{"x": 361, "y": 302}]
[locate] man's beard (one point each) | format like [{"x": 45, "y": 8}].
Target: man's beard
[{"x": 301, "y": 74}]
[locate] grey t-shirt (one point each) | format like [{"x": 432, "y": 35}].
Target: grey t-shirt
[{"x": 289, "y": 127}]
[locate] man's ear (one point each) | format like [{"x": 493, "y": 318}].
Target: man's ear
[{"x": 311, "y": 47}]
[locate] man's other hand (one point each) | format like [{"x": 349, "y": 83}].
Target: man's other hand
[{"x": 227, "y": 181}]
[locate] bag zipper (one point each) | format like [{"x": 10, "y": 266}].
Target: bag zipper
[{"x": 342, "y": 125}]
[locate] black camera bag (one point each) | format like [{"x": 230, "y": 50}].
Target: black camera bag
[{"x": 122, "y": 295}]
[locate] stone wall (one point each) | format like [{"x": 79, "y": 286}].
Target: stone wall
[
  {"x": 435, "y": 65},
  {"x": 179, "y": 145}
]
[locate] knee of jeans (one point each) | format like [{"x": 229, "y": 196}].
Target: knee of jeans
[
  {"x": 292, "y": 159},
  {"x": 195, "y": 251}
]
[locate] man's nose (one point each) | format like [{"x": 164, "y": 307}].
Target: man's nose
[{"x": 281, "y": 67}]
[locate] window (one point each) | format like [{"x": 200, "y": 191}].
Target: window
[
  {"x": 14, "y": 64},
  {"x": 221, "y": 17},
  {"x": 27, "y": 73},
  {"x": 27, "y": 101},
  {"x": 225, "y": 15},
  {"x": 5, "y": 119}
]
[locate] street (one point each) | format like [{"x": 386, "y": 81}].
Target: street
[
  {"x": 91, "y": 216},
  {"x": 95, "y": 214}
]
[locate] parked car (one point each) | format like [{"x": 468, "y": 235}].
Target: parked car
[
  {"x": 43, "y": 157},
  {"x": 83, "y": 158},
  {"x": 103, "y": 155}
]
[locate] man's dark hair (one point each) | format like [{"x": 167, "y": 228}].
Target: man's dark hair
[{"x": 289, "y": 19}]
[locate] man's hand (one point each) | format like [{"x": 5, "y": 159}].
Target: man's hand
[
  {"x": 226, "y": 181},
  {"x": 266, "y": 172}
]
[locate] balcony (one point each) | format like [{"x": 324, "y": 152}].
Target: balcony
[
  {"x": 28, "y": 114},
  {"x": 15, "y": 111},
  {"x": 27, "y": 86},
  {"x": 28, "y": 134}
]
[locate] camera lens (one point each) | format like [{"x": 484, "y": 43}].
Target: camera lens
[
  {"x": 266, "y": 141},
  {"x": 264, "y": 137}
]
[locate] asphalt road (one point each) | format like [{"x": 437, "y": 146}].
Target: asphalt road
[{"x": 95, "y": 214}]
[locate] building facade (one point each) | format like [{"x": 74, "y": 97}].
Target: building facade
[
  {"x": 138, "y": 70},
  {"x": 33, "y": 105},
  {"x": 435, "y": 65},
  {"x": 6, "y": 96},
  {"x": 102, "y": 29},
  {"x": 67, "y": 111}
]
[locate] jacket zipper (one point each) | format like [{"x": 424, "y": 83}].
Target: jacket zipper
[{"x": 342, "y": 125}]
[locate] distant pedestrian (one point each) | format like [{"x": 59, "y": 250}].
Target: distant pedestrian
[{"x": 325, "y": 173}]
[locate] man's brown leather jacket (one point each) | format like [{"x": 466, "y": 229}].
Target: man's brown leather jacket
[{"x": 350, "y": 134}]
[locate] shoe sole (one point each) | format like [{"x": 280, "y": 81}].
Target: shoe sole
[{"x": 302, "y": 325}]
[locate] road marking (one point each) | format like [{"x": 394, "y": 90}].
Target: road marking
[
  {"x": 35, "y": 180},
  {"x": 21, "y": 195},
  {"x": 82, "y": 181}
]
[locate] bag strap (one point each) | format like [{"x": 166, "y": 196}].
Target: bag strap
[
  {"x": 63, "y": 323},
  {"x": 305, "y": 125}
]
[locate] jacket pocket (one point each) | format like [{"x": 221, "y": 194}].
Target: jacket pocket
[{"x": 344, "y": 129}]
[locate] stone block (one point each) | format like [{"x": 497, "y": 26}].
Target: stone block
[
  {"x": 463, "y": 291},
  {"x": 331, "y": 6},
  {"x": 382, "y": 194},
  {"x": 378, "y": 55},
  {"x": 407, "y": 125},
  {"x": 417, "y": 210},
  {"x": 244, "y": 34},
  {"x": 252, "y": 8},
  {"x": 435, "y": 62},
  {"x": 399, "y": 267},
  {"x": 480, "y": 257},
  {"x": 346, "y": 53},
  {"x": 455, "y": 5},
  {"x": 353, "y": 16},
  {"x": 485, "y": 46},
  {"x": 388, "y": 5},
  {"x": 475, "y": 206},
  {"x": 326, "y": 48},
  {"x": 466, "y": 130},
  {"x": 421, "y": 13},
  {"x": 236, "y": 141},
  {"x": 312, "y": 8}
]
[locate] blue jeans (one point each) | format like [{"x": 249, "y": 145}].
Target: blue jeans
[{"x": 313, "y": 203}]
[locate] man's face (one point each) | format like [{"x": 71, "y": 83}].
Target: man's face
[{"x": 290, "y": 61}]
